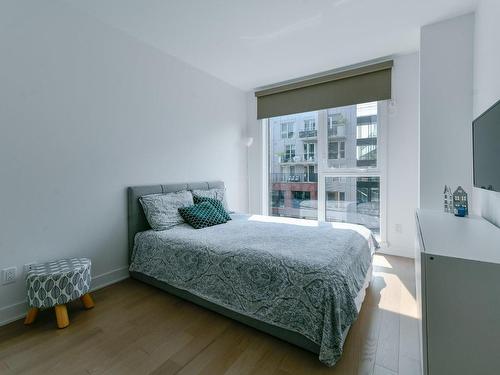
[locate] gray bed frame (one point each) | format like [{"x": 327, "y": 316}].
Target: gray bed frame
[{"x": 137, "y": 223}]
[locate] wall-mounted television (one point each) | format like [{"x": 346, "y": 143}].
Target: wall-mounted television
[{"x": 486, "y": 146}]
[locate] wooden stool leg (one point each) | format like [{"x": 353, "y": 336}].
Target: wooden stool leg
[
  {"x": 87, "y": 301},
  {"x": 31, "y": 315},
  {"x": 61, "y": 316}
]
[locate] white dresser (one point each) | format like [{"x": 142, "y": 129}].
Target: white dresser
[{"x": 458, "y": 292}]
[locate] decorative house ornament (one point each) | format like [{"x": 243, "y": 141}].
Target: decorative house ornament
[
  {"x": 448, "y": 199},
  {"x": 460, "y": 204}
]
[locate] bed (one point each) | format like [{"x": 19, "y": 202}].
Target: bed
[{"x": 299, "y": 280}]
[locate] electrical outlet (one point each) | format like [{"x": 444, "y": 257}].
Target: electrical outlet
[
  {"x": 9, "y": 275},
  {"x": 399, "y": 228},
  {"x": 29, "y": 266}
]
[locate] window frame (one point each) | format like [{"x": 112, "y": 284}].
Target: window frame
[
  {"x": 340, "y": 150},
  {"x": 323, "y": 171},
  {"x": 289, "y": 150},
  {"x": 307, "y": 150}
]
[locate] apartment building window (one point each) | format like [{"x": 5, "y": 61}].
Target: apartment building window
[
  {"x": 298, "y": 197},
  {"x": 309, "y": 124},
  {"x": 350, "y": 178},
  {"x": 364, "y": 131},
  {"x": 336, "y": 150},
  {"x": 309, "y": 151},
  {"x": 336, "y": 123},
  {"x": 289, "y": 153},
  {"x": 335, "y": 196},
  {"x": 336, "y": 130},
  {"x": 334, "y": 119},
  {"x": 366, "y": 155},
  {"x": 287, "y": 129},
  {"x": 333, "y": 150},
  {"x": 278, "y": 199}
]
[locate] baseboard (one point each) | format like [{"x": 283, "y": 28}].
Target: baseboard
[
  {"x": 110, "y": 277},
  {"x": 17, "y": 311},
  {"x": 13, "y": 312},
  {"x": 397, "y": 251}
]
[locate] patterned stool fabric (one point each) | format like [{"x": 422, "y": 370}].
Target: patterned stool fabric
[{"x": 59, "y": 282}]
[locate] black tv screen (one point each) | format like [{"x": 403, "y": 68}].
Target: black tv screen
[{"x": 486, "y": 144}]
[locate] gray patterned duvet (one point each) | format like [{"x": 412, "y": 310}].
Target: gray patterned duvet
[{"x": 294, "y": 274}]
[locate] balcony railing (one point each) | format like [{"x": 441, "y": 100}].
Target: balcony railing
[
  {"x": 295, "y": 177},
  {"x": 297, "y": 159},
  {"x": 308, "y": 133}
]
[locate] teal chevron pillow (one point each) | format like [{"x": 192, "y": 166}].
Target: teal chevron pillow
[
  {"x": 201, "y": 215},
  {"x": 214, "y": 202}
]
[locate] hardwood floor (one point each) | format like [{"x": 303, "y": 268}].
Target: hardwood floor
[{"x": 137, "y": 329}]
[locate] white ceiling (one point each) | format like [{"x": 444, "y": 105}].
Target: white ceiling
[{"x": 252, "y": 43}]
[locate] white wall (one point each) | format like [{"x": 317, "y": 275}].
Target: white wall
[
  {"x": 255, "y": 153},
  {"x": 487, "y": 88},
  {"x": 402, "y": 173},
  {"x": 86, "y": 111},
  {"x": 446, "y": 65},
  {"x": 402, "y": 156}
]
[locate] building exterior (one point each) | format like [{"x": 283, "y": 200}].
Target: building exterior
[
  {"x": 293, "y": 163},
  {"x": 351, "y": 143}
]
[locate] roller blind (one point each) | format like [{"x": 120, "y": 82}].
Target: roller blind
[{"x": 351, "y": 86}]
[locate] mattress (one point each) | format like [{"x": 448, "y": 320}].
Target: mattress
[{"x": 298, "y": 275}]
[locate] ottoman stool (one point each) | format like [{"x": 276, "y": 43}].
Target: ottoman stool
[{"x": 54, "y": 284}]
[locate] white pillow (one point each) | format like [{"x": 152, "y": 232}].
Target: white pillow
[
  {"x": 217, "y": 193},
  {"x": 162, "y": 210}
]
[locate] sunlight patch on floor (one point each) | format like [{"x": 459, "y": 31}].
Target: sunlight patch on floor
[
  {"x": 381, "y": 261},
  {"x": 395, "y": 296}
]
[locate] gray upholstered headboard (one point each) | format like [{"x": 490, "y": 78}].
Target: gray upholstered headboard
[{"x": 137, "y": 221}]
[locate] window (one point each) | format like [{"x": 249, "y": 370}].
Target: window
[
  {"x": 278, "y": 199},
  {"x": 366, "y": 135},
  {"x": 309, "y": 124},
  {"x": 309, "y": 131},
  {"x": 333, "y": 150},
  {"x": 338, "y": 196},
  {"x": 354, "y": 200},
  {"x": 289, "y": 153},
  {"x": 336, "y": 150},
  {"x": 309, "y": 154},
  {"x": 287, "y": 129},
  {"x": 298, "y": 183},
  {"x": 312, "y": 175},
  {"x": 336, "y": 125},
  {"x": 366, "y": 155},
  {"x": 299, "y": 196},
  {"x": 366, "y": 131},
  {"x": 334, "y": 119},
  {"x": 349, "y": 181}
]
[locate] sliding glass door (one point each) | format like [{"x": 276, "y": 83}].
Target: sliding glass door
[{"x": 328, "y": 165}]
